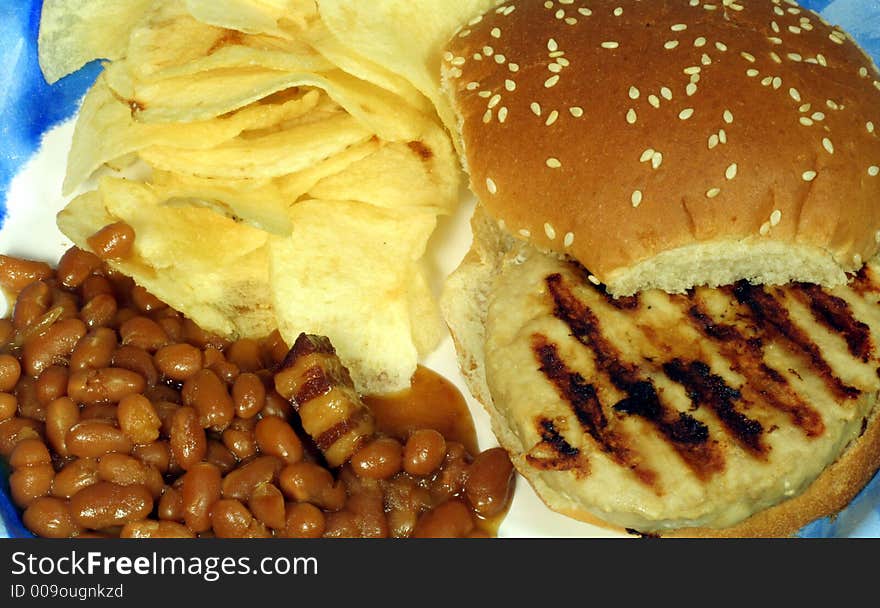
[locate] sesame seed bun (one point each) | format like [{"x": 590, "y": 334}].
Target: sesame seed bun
[{"x": 673, "y": 144}]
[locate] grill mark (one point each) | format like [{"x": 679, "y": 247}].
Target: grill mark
[
  {"x": 632, "y": 302},
  {"x": 771, "y": 316},
  {"x": 687, "y": 435},
  {"x": 554, "y": 453},
  {"x": 316, "y": 383},
  {"x": 328, "y": 438},
  {"x": 708, "y": 389},
  {"x": 865, "y": 282},
  {"x": 746, "y": 357},
  {"x": 587, "y": 408},
  {"x": 835, "y": 313}
]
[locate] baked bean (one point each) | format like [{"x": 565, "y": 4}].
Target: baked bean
[
  {"x": 99, "y": 311},
  {"x": 245, "y": 354},
  {"x": 94, "y": 350},
  {"x": 29, "y": 405},
  {"x": 276, "y": 405},
  {"x": 138, "y": 419},
  {"x": 242, "y": 482},
  {"x": 32, "y": 303},
  {"x": 112, "y": 242},
  {"x": 368, "y": 509},
  {"x": 304, "y": 520},
  {"x": 231, "y": 519},
  {"x": 340, "y": 524},
  {"x": 10, "y": 372},
  {"x": 67, "y": 302},
  {"x": 51, "y": 384},
  {"x": 267, "y": 505},
  {"x": 74, "y": 476},
  {"x": 8, "y": 406},
  {"x": 452, "y": 519},
  {"x": 220, "y": 456},
  {"x": 102, "y": 412},
  {"x": 144, "y": 333},
  {"x": 144, "y": 301},
  {"x": 173, "y": 326},
  {"x": 308, "y": 482},
  {"x": 50, "y": 518},
  {"x": 489, "y": 483},
  {"x": 125, "y": 470},
  {"x": 18, "y": 429},
  {"x": 200, "y": 490},
  {"x": 148, "y": 528},
  {"x": 197, "y": 336},
  {"x": 104, "y": 504},
  {"x": 28, "y": 453},
  {"x": 156, "y": 454},
  {"x": 61, "y": 415},
  {"x": 7, "y": 332},
  {"x": 95, "y": 285},
  {"x": 165, "y": 410},
  {"x": 379, "y": 459},
  {"x": 209, "y": 396},
  {"x": 96, "y": 437},
  {"x": 29, "y": 483},
  {"x": 52, "y": 346},
  {"x": 275, "y": 437},
  {"x": 450, "y": 480},
  {"x": 178, "y": 362},
  {"x": 171, "y": 505},
  {"x": 103, "y": 385},
  {"x": 138, "y": 360},
  {"x": 188, "y": 441},
  {"x": 275, "y": 349},
  {"x": 248, "y": 395},
  {"x": 240, "y": 442},
  {"x": 16, "y": 273},
  {"x": 424, "y": 452},
  {"x": 75, "y": 266}
]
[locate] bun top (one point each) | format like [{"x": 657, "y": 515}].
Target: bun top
[{"x": 673, "y": 143}]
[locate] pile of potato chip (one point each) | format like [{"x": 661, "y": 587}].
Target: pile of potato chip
[{"x": 282, "y": 162}]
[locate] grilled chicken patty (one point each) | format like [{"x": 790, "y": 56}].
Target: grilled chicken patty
[{"x": 663, "y": 411}]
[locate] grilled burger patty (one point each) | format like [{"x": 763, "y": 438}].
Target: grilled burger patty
[{"x": 662, "y": 411}]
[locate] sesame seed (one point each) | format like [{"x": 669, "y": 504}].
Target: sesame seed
[
  {"x": 826, "y": 143},
  {"x": 713, "y": 141},
  {"x": 656, "y": 160},
  {"x": 594, "y": 280},
  {"x": 873, "y": 170},
  {"x": 631, "y": 116},
  {"x": 765, "y": 229},
  {"x": 618, "y": 11},
  {"x": 686, "y": 113},
  {"x": 495, "y": 33},
  {"x": 500, "y": 59},
  {"x": 700, "y": 42},
  {"x": 731, "y": 171},
  {"x": 487, "y": 117},
  {"x": 550, "y": 231},
  {"x": 552, "y": 45},
  {"x": 728, "y": 117},
  {"x": 554, "y": 163},
  {"x": 713, "y": 192},
  {"x": 646, "y": 155},
  {"x": 610, "y": 44},
  {"x": 809, "y": 176},
  {"x": 666, "y": 93},
  {"x": 679, "y": 27},
  {"x": 555, "y": 68},
  {"x": 670, "y": 44},
  {"x": 690, "y": 89},
  {"x": 748, "y": 57},
  {"x": 536, "y": 108},
  {"x": 777, "y": 82},
  {"x": 634, "y": 93},
  {"x": 636, "y": 198},
  {"x": 551, "y": 82},
  {"x": 752, "y": 72},
  {"x": 795, "y": 94},
  {"x": 775, "y": 217},
  {"x": 513, "y": 67},
  {"x": 722, "y": 136},
  {"x": 869, "y": 126},
  {"x": 496, "y": 99},
  {"x": 807, "y": 122},
  {"x": 568, "y": 241},
  {"x": 576, "y": 111},
  {"x": 721, "y": 46},
  {"x": 491, "y": 186},
  {"x": 585, "y": 11},
  {"x": 525, "y": 233},
  {"x": 552, "y": 117},
  {"x": 654, "y": 100},
  {"x": 502, "y": 114},
  {"x": 510, "y": 85}
]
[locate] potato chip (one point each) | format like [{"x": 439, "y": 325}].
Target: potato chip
[
  {"x": 75, "y": 32},
  {"x": 419, "y": 173},
  {"x": 105, "y": 129},
  {"x": 346, "y": 272},
  {"x": 407, "y": 37},
  {"x": 278, "y": 153},
  {"x": 253, "y": 16},
  {"x": 209, "y": 267}
]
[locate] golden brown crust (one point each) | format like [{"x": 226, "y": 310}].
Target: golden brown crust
[{"x": 603, "y": 93}]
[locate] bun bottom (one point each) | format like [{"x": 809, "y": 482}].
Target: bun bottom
[{"x": 464, "y": 305}]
